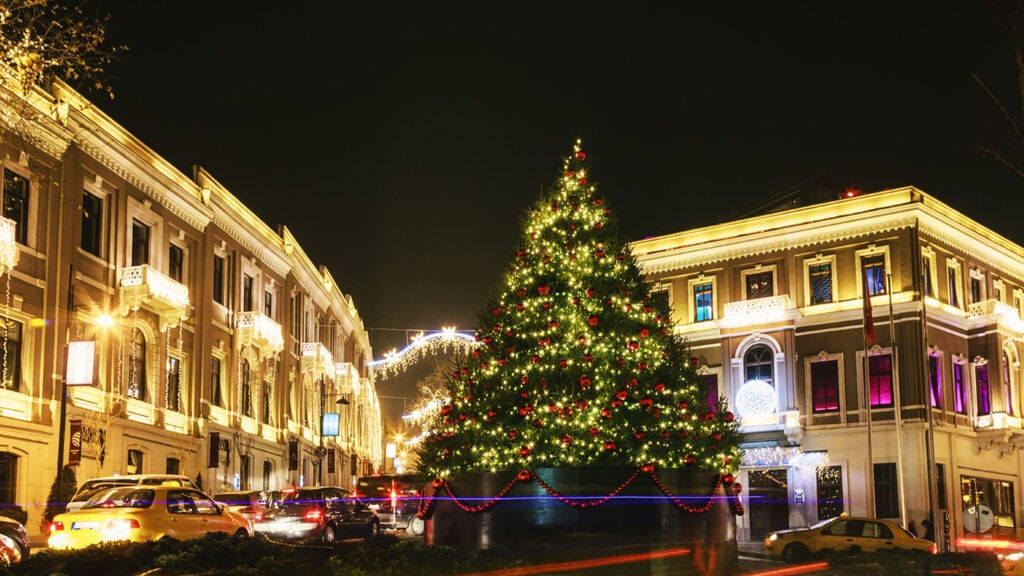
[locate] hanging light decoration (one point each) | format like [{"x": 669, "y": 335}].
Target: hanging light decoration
[{"x": 8, "y": 245}]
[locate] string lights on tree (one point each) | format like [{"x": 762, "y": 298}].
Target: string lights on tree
[{"x": 575, "y": 364}]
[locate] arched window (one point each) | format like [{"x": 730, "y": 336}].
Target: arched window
[
  {"x": 137, "y": 366},
  {"x": 758, "y": 364}
]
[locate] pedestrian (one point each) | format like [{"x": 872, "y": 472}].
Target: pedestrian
[
  {"x": 929, "y": 533},
  {"x": 912, "y": 528}
]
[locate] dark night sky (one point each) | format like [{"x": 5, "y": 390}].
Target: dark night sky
[{"x": 402, "y": 144}]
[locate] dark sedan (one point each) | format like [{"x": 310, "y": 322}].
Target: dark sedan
[{"x": 325, "y": 513}]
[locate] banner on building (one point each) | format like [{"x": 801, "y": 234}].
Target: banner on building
[
  {"x": 214, "y": 460},
  {"x": 81, "y": 370},
  {"x": 75, "y": 446},
  {"x": 354, "y": 462},
  {"x": 293, "y": 454},
  {"x": 330, "y": 460}
]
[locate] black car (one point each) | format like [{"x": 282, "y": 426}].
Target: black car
[
  {"x": 325, "y": 513},
  {"x": 395, "y": 498},
  {"x": 14, "y": 531}
]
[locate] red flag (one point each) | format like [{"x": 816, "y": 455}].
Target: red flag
[{"x": 869, "y": 323}]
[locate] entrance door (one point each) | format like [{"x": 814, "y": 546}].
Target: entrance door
[{"x": 769, "y": 501}]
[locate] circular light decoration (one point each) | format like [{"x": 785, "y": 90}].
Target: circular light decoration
[{"x": 756, "y": 398}]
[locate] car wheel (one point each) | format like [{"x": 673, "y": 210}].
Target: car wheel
[
  {"x": 416, "y": 526},
  {"x": 795, "y": 552},
  {"x": 240, "y": 534},
  {"x": 373, "y": 532},
  {"x": 328, "y": 535}
]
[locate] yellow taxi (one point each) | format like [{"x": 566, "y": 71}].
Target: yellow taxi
[
  {"x": 842, "y": 534},
  {"x": 141, "y": 513}
]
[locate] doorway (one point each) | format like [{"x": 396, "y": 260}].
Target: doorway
[{"x": 769, "y": 501}]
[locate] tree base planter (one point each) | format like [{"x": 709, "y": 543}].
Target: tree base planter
[{"x": 672, "y": 519}]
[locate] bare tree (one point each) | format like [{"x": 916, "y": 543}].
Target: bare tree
[{"x": 1005, "y": 142}]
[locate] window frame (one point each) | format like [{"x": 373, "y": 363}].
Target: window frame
[
  {"x": 142, "y": 391},
  {"x": 936, "y": 390},
  {"x": 97, "y": 223},
  {"x": 219, "y": 278},
  {"x": 860, "y": 257},
  {"x": 182, "y": 276},
  {"x": 977, "y": 285},
  {"x": 22, "y": 229},
  {"x": 691, "y": 287},
  {"x": 930, "y": 270},
  {"x": 809, "y": 363},
  {"x": 819, "y": 260},
  {"x": 761, "y": 269},
  {"x": 979, "y": 367},
  {"x": 961, "y": 385},
  {"x": 954, "y": 283}
]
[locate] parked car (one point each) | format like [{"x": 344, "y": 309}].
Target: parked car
[
  {"x": 841, "y": 534},
  {"x": 249, "y": 503},
  {"x": 14, "y": 542},
  {"x": 325, "y": 513},
  {"x": 139, "y": 513},
  {"x": 395, "y": 498},
  {"x": 94, "y": 485}
]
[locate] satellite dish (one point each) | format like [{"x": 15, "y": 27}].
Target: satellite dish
[{"x": 978, "y": 518}]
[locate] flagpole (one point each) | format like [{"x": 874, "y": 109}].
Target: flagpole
[
  {"x": 898, "y": 413},
  {"x": 868, "y": 331}
]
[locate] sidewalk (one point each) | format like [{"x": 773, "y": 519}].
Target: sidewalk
[{"x": 753, "y": 549}]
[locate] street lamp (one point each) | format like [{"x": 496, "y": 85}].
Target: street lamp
[{"x": 330, "y": 425}]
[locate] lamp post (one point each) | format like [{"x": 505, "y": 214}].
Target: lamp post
[
  {"x": 64, "y": 378},
  {"x": 321, "y": 451}
]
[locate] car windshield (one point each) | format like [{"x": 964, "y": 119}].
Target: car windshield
[
  {"x": 820, "y": 524},
  {"x": 123, "y": 497},
  {"x": 91, "y": 487},
  {"x": 235, "y": 498}
]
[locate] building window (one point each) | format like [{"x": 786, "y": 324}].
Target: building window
[
  {"x": 997, "y": 290},
  {"x": 886, "y": 491},
  {"x": 137, "y": 366},
  {"x": 268, "y": 304},
  {"x": 215, "y": 379},
  {"x": 820, "y": 279},
  {"x": 758, "y": 364},
  {"x": 265, "y": 401},
  {"x": 246, "y": 472},
  {"x": 830, "y": 492},
  {"x": 710, "y": 382},
  {"x": 880, "y": 374},
  {"x": 8, "y": 478},
  {"x": 703, "y": 301},
  {"x": 176, "y": 262},
  {"x": 661, "y": 299},
  {"x": 297, "y": 322},
  {"x": 16, "y": 190},
  {"x": 953, "y": 283},
  {"x": 760, "y": 285},
  {"x": 140, "y": 243},
  {"x": 977, "y": 287},
  {"x": 134, "y": 462},
  {"x": 929, "y": 280},
  {"x": 173, "y": 466},
  {"x": 246, "y": 293},
  {"x": 959, "y": 388},
  {"x": 940, "y": 477},
  {"x": 997, "y": 495},
  {"x": 92, "y": 224},
  {"x": 173, "y": 384},
  {"x": 246, "y": 389},
  {"x": 218, "y": 279},
  {"x": 935, "y": 380},
  {"x": 825, "y": 386},
  {"x": 267, "y": 469},
  {"x": 981, "y": 382},
  {"x": 1008, "y": 399},
  {"x": 873, "y": 268},
  {"x": 12, "y": 354}
]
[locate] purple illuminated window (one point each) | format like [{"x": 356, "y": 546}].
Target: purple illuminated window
[
  {"x": 825, "y": 386},
  {"x": 935, "y": 381},
  {"x": 880, "y": 374},
  {"x": 981, "y": 377},
  {"x": 959, "y": 389}
]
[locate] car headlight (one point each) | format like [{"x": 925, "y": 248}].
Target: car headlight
[{"x": 773, "y": 537}]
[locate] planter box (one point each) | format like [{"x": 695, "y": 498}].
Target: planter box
[{"x": 528, "y": 520}]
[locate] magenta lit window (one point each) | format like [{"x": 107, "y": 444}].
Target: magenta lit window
[
  {"x": 959, "y": 389},
  {"x": 981, "y": 377},
  {"x": 880, "y": 374},
  {"x": 825, "y": 386},
  {"x": 935, "y": 381}
]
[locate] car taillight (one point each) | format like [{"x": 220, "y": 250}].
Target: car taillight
[
  {"x": 394, "y": 499},
  {"x": 934, "y": 549},
  {"x": 314, "y": 515},
  {"x": 257, "y": 515},
  {"x": 56, "y": 526}
]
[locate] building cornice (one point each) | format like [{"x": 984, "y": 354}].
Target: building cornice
[{"x": 122, "y": 153}]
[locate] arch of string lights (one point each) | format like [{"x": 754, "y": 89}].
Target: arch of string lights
[{"x": 445, "y": 341}]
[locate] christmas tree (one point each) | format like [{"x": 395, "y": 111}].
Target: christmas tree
[{"x": 577, "y": 365}]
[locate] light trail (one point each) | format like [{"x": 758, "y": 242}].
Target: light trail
[
  {"x": 572, "y": 565},
  {"x": 789, "y": 571}
]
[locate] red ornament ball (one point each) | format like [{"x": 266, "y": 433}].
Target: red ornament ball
[
  {"x": 737, "y": 487},
  {"x": 525, "y": 451},
  {"x": 542, "y": 290},
  {"x": 566, "y": 439},
  {"x": 584, "y": 382},
  {"x": 594, "y": 431},
  {"x": 606, "y": 413},
  {"x": 690, "y": 459},
  {"x": 513, "y": 433},
  {"x": 524, "y": 476},
  {"x": 581, "y": 155},
  {"x": 647, "y": 468},
  {"x": 728, "y": 417},
  {"x": 609, "y": 446},
  {"x": 592, "y": 320},
  {"x": 728, "y": 478},
  {"x": 563, "y": 363}
]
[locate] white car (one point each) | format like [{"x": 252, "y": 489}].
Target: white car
[{"x": 94, "y": 485}]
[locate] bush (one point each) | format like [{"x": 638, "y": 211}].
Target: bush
[
  {"x": 14, "y": 512},
  {"x": 63, "y": 488}
]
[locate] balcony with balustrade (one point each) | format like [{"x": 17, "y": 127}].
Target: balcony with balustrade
[
  {"x": 259, "y": 331},
  {"x": 317, "y": 360},
  {"x": 144, "y": 287},
  {"x": 757, "y": 311},
  {"x": 993, "y": 311}
]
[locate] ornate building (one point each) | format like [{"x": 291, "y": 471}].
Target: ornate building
[
  {"x": 860, "y": 341},
  {"x": 217, "y": 342}
]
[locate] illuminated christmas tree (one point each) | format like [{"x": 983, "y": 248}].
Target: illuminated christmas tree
[{"x": 577, "y": 364}]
